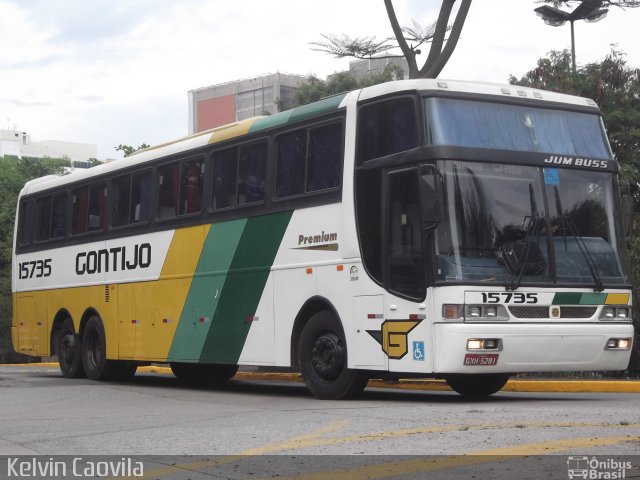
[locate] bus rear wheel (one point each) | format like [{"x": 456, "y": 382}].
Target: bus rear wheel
[
  {"x": 69, "y": 351},
  {"x": 476, "y": 386},
  {"x": 323, "y": 360},
  {"x": 94, "y": 352},
  {"x": 202, "y": 373}
]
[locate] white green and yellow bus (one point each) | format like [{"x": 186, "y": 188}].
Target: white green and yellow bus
[{"x": 420, "y": 228}]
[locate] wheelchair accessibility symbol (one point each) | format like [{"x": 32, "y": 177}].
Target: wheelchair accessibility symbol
[{"x": 418, "y": 351}]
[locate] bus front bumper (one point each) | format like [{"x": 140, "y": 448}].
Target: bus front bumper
[{"x": 530, "y": 347}]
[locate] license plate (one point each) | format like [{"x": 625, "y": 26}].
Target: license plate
[{"x": 481, "y": 359}]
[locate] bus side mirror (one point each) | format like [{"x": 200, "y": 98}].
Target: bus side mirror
[{"x": 430, "y": 198}]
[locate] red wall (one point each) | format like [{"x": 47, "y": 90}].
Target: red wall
[{"x": 215, "y": 112}]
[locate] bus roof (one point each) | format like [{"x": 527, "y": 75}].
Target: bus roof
[{"x": 327, "y": 105}]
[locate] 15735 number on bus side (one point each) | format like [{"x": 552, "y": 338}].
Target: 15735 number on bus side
[{"x": 34, "y": 269}]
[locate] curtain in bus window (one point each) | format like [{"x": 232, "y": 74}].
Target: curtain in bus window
[
  {"x": 224, "y": 179},
  {"x": 290, "y": 170},
  {"x": 191, "y": 185},
  {"x": 468, "y": 123},
  {"x": 43, "y": 209},
  {"x": 478, "y": 124},
  {"x": 97, "y": 207},
  {"x": 141, "y": 197},
  {"x": 252, "y": 173},
  {"x": 325, "y": 157},
  {"x": 58, "y": 216},
  {"x": 80, "y": 209},
  {"x": 168, "y": 191},
  {"x": 568, "y": 132},
  {"x": 120, "y": 214}
]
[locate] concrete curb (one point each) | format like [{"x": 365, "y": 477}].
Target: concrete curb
[{"x": 515, "y": 385}]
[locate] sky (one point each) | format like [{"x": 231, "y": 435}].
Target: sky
[{"x": 109, "y": 73}]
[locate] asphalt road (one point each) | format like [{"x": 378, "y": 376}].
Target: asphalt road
[{"x": 42, "y": 413}]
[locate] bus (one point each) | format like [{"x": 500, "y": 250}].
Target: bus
[{"x": 420, "y": 228}]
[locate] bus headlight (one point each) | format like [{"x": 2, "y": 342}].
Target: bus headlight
[
  {"x": 484, "y": 344},
  {"x": 616, "y": 313},
  {"x": 618, "y": 344},
  {"x": 485, "y": 313}
]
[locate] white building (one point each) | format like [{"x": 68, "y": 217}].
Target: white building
[{"x": 19, "y": 144}]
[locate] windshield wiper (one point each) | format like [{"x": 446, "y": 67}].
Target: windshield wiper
[
  {"x": 514, "y": 250},
  {"x": 567, "y": 223}
]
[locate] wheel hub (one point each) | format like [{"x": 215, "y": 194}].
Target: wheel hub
[{"x": 327, "y": 356}]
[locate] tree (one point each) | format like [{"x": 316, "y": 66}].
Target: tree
[
  {"x": 408, "y": 40},
  {"x": 615, "y": 87},
  {"x": 128, "y": 149},
  {"x": 313, "y": 89}
]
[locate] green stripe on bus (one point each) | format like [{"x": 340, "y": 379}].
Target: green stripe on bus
[
  {"x": 567, "y": 298},
  {"x": 208, "y": 282},
  {"x": 593, "y": 299},
  {"x": 270, "y": 121},
  {"x": 578, "y": 298},
  {"x": 326, "y": 105},
  {"x": 243, "y": 287}
]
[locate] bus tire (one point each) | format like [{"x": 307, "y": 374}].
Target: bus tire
[
  {"x": 68, "y": 349},
  {"x": 203, "y": 374},
  {"x": 323, "y": 360},
  {"x": 94, "y": 351},
  {"x": 477, "y": 385}
]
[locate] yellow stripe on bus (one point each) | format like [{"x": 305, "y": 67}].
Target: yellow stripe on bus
[
  {"x": 233, "y": 130},
  {"x": 617, "y": 299}
]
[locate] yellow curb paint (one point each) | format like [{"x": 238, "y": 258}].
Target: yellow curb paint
[{"x": 515, "y": 385}]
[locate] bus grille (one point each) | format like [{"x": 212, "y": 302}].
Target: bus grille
[
  {"x": 529, "y": 312},
  {"x": 577, "y": 312},
  {"x": 543, "y": 312}
]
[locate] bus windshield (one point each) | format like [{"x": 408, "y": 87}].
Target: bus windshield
[{"x": 539, "y": 225}]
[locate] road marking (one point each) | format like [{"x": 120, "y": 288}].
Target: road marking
[
  {"x": 226, "y": 459},
  {"x": 395, "y": 468},
  {"x": 422, "y": 465}
]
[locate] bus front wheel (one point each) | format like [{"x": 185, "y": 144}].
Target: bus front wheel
[
  {"x": 68, "y": 351},
  {"x": 480, "y": 385},
  {"x": 323, "y": 360},
  {"x": 94, "y": 351}
]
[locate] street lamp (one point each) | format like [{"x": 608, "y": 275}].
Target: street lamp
[{"x": 588, "y": 10}]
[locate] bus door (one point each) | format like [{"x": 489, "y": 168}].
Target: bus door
[{"x": 405, "y": 331}]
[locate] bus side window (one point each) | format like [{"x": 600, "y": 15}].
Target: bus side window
[
  {"x": 252, "y": 170},
  {"x": 168, "y": 190},
  {"x": 325, "y": 157},
  {"x": 225, "y": 174},
  {"x": 24, "y": 225},
  {"x": 387, "y": 127},
  {"x": 58, "y": 216},
  {"x": 43, "y": 218},
  {"x": 291, "y": 163},
  {"x": 121, "y": 188}
]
